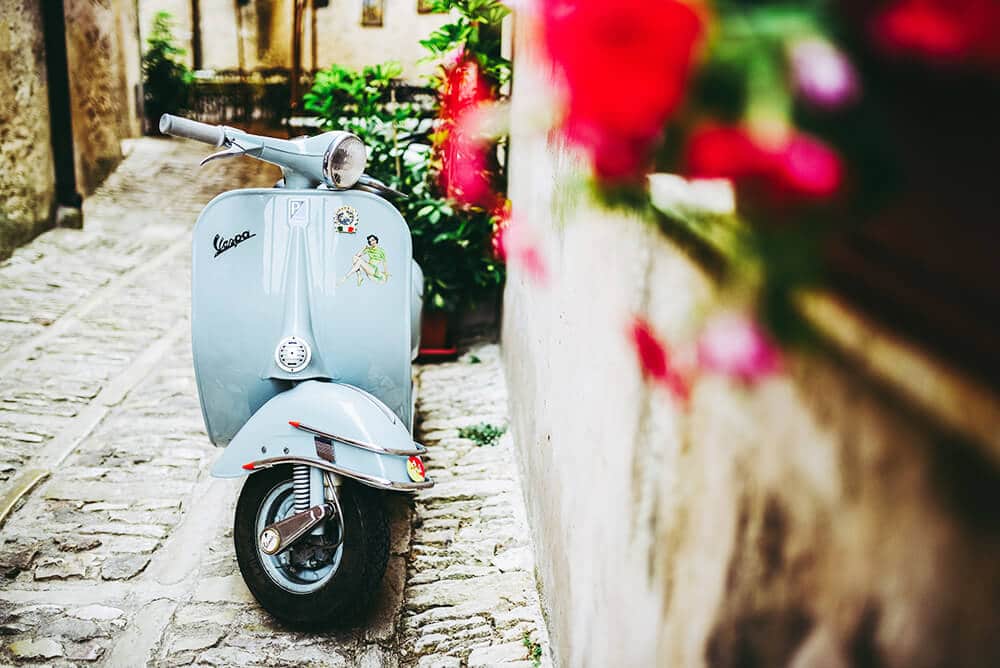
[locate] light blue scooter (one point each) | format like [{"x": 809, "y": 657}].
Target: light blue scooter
[{"x": 305, "y": 321}]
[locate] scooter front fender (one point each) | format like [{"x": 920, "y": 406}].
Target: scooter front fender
[{"x": 336, "y": 427}]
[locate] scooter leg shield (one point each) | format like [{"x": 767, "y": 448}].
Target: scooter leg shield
[{"x": 337, "y": 427}]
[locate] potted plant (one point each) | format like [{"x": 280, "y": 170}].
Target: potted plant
[{"x": 450, "y": 242}]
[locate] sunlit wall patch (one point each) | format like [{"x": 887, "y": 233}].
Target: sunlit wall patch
[{"x": 346, "y": 220}]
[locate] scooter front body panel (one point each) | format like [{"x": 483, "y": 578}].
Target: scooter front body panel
[
  {"x": 334, "y": 409},
  {"x": 275, "y": 264}
]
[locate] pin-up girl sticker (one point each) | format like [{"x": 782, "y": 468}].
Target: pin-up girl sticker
[{"x": 369, "y": 262}]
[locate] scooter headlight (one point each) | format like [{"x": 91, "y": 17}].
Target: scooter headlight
[{"x": 344, "y": 161}]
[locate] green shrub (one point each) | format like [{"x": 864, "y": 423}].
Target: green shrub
[
  {"x": 165, "y": 80},
  {"x": 451, "y": 245},
  {"x": 482, "y": 433}
]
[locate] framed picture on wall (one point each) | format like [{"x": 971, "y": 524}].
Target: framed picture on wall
[
  {"x": 371, "y": 12},
  {"x": 425, "y": 6}
]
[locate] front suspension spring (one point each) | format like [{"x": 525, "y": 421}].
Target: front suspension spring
[{"x": 300, "y": 478}]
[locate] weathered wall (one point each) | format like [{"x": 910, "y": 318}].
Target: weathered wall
[
  {"x": 129, "y": 67},
  {"x": 100, "y": 93},
  {"x": 26, "y": 185},
  {"x": 267, "y": 38},
  {"x": 815, "y": 520}
]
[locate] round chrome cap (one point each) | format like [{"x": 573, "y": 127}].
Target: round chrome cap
[{"x": 292, "y": 354}]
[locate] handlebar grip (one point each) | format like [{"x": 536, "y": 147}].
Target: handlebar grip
[{"x": 183, "y": 127}]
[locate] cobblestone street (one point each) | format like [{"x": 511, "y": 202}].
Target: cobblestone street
[{"x": 120, "y": 551}]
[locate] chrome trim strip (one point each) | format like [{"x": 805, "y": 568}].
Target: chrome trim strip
[
  {"x": 371, "y": 447},
  {"x": 370, "y": 480}
]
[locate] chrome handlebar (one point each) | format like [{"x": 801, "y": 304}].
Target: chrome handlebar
[
  {"x": 188, "y": 129},
  {"x": 301, "y": 160}
]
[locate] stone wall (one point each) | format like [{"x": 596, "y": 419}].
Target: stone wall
[
  {"x": 99, "y": 39},
  {"x": 105, "y": 79},
  {"x": 26, "y": 177},
  {"x": 821, "y": 518}
]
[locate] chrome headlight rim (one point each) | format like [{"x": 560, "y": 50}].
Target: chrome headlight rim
[{"x": 330, "y": 174}]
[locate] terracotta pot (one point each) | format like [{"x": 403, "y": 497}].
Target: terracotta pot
[{"x": 434, "y": 330}]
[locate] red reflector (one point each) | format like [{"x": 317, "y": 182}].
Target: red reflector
[
  {"x": 249, "y": 467},
  {"x": 350, "y": 229},
  {"x": 415, "y": 469}
]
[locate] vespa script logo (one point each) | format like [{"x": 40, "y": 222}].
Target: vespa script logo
[{"x": 222, "y": 245}]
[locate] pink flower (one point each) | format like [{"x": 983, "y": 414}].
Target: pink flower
[
  {"x": 822, "y": 74},
  {"x": 799, "y": 170},
  {"x": 453, "y": 58},
  {"x": 734, "y": 345},
  {"x": 515, "y": 243},
  {"x": 655, "y": 361},
  {"x": 465, "y": 175},
  {"x": 806, "y": 167}
]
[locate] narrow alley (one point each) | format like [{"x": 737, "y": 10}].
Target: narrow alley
[{"x": 116, "y": 546}]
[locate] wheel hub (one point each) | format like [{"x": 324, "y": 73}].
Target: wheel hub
[{"x": 312, "y": 560}]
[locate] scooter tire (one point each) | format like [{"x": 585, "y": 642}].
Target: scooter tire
[{"x": 344, "y": 599}]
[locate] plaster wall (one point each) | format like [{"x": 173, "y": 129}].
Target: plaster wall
[
  {"x": 129, "y": 68},
  {"x": 267, "y": 40},
  {"x": 343, "y": 40},
  {"x": 817, "y": 519},
  {"x": 26, "y": 172}
]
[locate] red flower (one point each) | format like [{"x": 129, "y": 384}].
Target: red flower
[
  {"x": 465, "y": 175},
  {"x": 941, "y": 30},
  {"x": 798, "y": 170},
  {"x": 464, "y": 87},
  {"x": 715, "y": 151},
  {"x": 625, "y": 66},
  {"x": 654, "y": 359}
]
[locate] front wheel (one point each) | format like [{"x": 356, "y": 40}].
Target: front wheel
[{"x": 319, "y": 581}]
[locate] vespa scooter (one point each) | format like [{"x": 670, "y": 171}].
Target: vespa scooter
[{"x": 305, "y": 318}]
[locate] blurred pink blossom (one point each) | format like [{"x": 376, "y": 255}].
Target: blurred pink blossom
[
  {"x": 453, "y": 58},
  {"x": 733, "y": 344},
  {"x": 655, "y": 360},
  {"x": 516, "y": 244},
  {"x": 801, "y": 169},
  {"x": 466, "y": 176},
  {"x": 823, "y": 75},
  {"x": 807, "y": 167}
]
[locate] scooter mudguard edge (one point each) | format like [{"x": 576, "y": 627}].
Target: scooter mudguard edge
[{"x": 332, "y": 408}]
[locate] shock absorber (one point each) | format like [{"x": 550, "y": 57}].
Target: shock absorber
[{"x": 300, "y": 479}]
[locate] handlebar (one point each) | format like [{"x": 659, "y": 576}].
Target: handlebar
[
  {"x": 303, "y": 161},
  {"x": 188, "y": 129}
]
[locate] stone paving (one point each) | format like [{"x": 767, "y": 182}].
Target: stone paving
[
  {"x": 122, "y": 555},
  {"x": 470, "y": 595}
]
